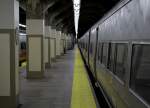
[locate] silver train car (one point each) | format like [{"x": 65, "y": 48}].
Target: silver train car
[{"x": 117, "y": 52}]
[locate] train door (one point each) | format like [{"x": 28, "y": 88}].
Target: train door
[
  {"x": 89, "y": 36},
  {"x": 95, "y": 55}
]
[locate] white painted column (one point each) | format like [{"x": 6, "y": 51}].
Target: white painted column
[
  {"x": 58, "y": 34},
  {"x": 47, "y": 45},
  {"x": 61, "y": 44},
  {"x": 63, "y": 41},
  {"x": 70, "y": 41},
  {"x": 57, "y": 44},
  {"x": 9, "y": 35},
  {"x": 53, "y": 45},
  {"x": 67, "y": 42},
  {"x": 35, "y": 33}
]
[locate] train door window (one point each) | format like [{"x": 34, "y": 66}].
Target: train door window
[
  {"x": 121, "y": 60},
  {"x": 104, "y": 53},
  {"x": 140, "y": 71},
  {"x": 111, "y": 59}
]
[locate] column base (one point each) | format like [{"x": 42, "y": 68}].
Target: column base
[
  {"x": 47, "y": 65},
  {"x": 9, "y": 101},
  {"x": 35, "y": 75},
  {"x": 58, "y": 56},
  {"x": 62, "y": 53},
  {"x": 53, "y": 59}
]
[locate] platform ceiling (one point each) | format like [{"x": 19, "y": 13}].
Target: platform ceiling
[{"x": 61, "y": 16}]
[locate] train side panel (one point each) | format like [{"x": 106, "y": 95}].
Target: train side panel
[
  {"x": 127, "y": 25},
  {"x": 92, "y": 50}
]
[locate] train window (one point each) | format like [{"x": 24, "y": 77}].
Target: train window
[
  {"x": 91, "y": 48},
  {"x": 99, "y": 51},
  {"x": 140, "y": 71},
  {"x": 121, "y": 60},
  {"x": 111, "y": 59},
  {"x": 83, "y": 45},
  {"x": 104, "y": 53},
  {"x": 87, "y": 47}
]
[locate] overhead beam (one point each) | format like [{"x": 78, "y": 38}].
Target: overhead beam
[
  {"x": 58, "y": 12},
  {"x": 64, "y": 13},
  {"x": 48, "y": 6},
  {"x": 64, "y": 19}
]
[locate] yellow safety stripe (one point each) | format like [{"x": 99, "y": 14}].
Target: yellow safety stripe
[{"x": 82, "y": 96}]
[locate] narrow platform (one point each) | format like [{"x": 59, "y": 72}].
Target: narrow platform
[
  {"x": 65, "y": 85},
  {"x": 82, "y": 95}
]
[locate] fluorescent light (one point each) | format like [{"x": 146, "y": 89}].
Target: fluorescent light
[
  {"x": 76, "y": 14},
  {"x": 22, "y": 34},
  {"x": 76, "y": 37},
  {"x": 21, "y": 25}
]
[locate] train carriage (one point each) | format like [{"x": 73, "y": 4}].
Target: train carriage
[{"x": 122, "y": 54}]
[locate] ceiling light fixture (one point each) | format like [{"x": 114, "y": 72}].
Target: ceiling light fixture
[
  {"x": 21, "y": 25},
  {"x": 76, "y": 5}
]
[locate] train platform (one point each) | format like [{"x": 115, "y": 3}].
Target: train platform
[{"x": 66, "y": 85}]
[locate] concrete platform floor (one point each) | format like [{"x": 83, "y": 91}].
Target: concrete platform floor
[{"x": 54, "y": 91}]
